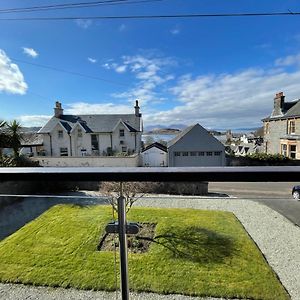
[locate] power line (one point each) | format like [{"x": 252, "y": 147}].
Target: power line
[
  {"x": 70, "y": 72},
  {"x": 222, "y": 15},
  {"x": 73, "y": 5}
]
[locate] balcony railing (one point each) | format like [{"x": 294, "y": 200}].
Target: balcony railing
[
  {"x": 192, "y": 174},
  {"x": 189, "y": 174}
]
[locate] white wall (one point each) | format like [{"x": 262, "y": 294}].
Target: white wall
[
  {"x": 101, "y": 161},
  {"x": 57, "y": 142},
  {"x": 128, "y": 138},
  {"x": 154, "y": 157}
]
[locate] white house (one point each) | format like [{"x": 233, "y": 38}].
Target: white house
[
  {"x": 155, "y": 155},
  {"x": 195, "y": 147},
  {"x": 91, "y": 135}
]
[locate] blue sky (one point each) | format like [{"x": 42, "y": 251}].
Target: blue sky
[{"x": 219, "y": 72}]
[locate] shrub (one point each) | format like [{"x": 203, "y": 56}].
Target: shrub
[{"x": 267, "y": 157}]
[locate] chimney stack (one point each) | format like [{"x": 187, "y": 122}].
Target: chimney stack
[
  {"x": 58, "y": 111},
  {"x": 137, "y": 109},
  {"x": 278, "y": 104}
]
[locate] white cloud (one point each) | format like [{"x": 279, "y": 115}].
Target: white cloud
[
  {"x": 121, "y": 69},
  {"x": 122, "y": 27},
  {"x": 30, "y": 52},
  {"x": 149, "y": 71},
  {"x": 33, "y": 120},
  {"x": 92, "y": 60},
  {"x": 11, "y": 78},
  {"x": 83, "y": 23},
  {"x": 101, "y": 108},
  {"x": 228, "y": 100},
  {"x": 288, "y": 60},
  {"x": 175, "y": 31}
]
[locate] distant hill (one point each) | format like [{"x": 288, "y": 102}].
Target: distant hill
[{"x": 163, "y": 131}]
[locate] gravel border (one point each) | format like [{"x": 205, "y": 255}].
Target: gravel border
[{"x": 277, "y": 238}]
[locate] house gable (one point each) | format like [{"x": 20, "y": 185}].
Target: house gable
[{"x": 195, "y": 138}]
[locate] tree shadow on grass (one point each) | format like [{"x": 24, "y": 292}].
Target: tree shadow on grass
[{"x": 197, "y": 244}]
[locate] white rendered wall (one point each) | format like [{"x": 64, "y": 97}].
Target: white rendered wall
[
  {"x": 104, "y": 161},
  {"x": 154, "y": 157}
]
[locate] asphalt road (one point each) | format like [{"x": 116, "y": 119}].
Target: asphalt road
[{"x": 276, "y": 195}]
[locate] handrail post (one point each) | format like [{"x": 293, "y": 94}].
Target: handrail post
[{"x": 123, "y": 248}]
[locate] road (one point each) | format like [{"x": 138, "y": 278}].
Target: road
[{"x": 276, "y": 195}]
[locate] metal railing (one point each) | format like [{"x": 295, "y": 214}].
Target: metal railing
[{"x": 185, "y": 174}]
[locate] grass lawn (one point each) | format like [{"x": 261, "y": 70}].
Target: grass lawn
[{"x": 205, "y": 253}]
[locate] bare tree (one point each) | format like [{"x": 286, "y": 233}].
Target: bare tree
[{"x": 131, "y": 191}]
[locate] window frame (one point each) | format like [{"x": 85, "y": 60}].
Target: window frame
[
  {"x": 121, "y": 132},
  {"x": 60, "y": 134},
  {"x": 64, "y": 151}
]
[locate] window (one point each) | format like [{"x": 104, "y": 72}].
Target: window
[
  {"x": 94, "y": 141},
  {"x": 124, "y": 149},
  {"x": 293, "y": 151},
  {"x": 284, "y": 149},
  {"x": 193, "y": 153},
  {"x": 267, "y": 128},
  {"x": 201, "y": 153},
  {"x": 63, "y": 151},
  {"x": 121, "y": 142},
  {"x": 291, "y": 127},
  {"x": 209, "y": 153},
  {"x": 185, "y": 153},
  {"x": 60, "y": 134},
  {"x": 122, "y": 133},
  {"x": 177, "y": 153},
  {"x": 79, "y": 133},
  {"x": 217, "y": 153}
]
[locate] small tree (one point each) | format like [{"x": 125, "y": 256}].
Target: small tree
[
  {"x": 131, "y": 191},
  {"x": 14, "y": 136}
]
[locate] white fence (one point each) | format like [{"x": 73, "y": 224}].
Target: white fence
[{"x": 90, "y": 161}]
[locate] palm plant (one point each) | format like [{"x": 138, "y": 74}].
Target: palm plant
[
  {"x": 3, "y": 136},
  {"x": 14, "y": 136}
]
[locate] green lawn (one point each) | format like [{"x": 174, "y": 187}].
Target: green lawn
[{"x": 205, "y": 253}]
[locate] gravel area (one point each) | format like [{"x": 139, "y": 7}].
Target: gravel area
[{"x": 277, "y": 238}]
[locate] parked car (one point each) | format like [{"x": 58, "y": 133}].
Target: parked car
[{"x": 296, "y": 192}]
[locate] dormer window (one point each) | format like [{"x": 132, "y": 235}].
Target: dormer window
[
  {"x": 122, "y": 133},
  {"x": 79, "y": 132},
  {"x": 60, "y": 134}
]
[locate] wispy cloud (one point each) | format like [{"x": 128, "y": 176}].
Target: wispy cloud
[
  {"x": 227, "y": 100},
  {"x": 92, "y": 60},
  {"x": 176, "y": 30},
  {"x": 33, "y": 120},
  {"x": 103, "y": 108},
  {"x": 122, "y": 27},
  {"x": 83, "y": 23},
  {"x": 11, "y": 78},
  {"x": 30, "y": 52},
  {"x": 148, "y": 72},
  {"x": 288, "y": 60}
]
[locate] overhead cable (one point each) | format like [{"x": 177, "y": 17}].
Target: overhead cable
[
  {"x": 69, "y": 72},
  {"x": 72, "y": 5},
  {"x": 221, "y": 15}
]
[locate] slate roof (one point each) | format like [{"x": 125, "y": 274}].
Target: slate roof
[
  {"x": 31, "y": 139},
  {"x": 92, "y": 123},
  {"x": 157, "y": 145},
  {"x": 290, "y": 109}
]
